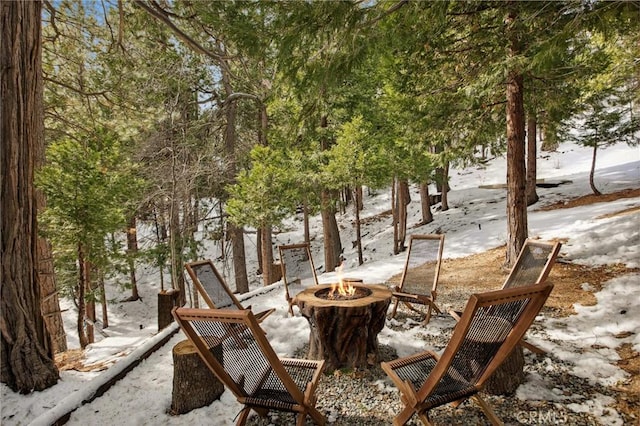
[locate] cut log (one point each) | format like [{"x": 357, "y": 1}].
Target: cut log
[
  {"x": 344, "y": 332},
  {"x": 506, "y": 379},
  {"x": 167, "y": 300},
  {"x": 194, "y": 385}
]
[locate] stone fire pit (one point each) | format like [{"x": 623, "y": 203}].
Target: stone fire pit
[{"x": 344, "y": 331}]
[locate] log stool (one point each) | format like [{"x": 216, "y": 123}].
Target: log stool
[
  {"x": 167, "y": 300},
  {"x": 194, "y": 385}
]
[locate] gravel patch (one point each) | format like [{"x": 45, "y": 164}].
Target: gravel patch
[{"x": 552, "y": 395}]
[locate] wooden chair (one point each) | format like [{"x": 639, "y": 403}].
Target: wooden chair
[
  {"x": 235, "y": 348},
  {"x": 533, "y": 265},
  {"x": 297, "y": 265},
  {"x": 213, "y": 289},
  {"x": 419, "y": 281},
  {"x": 491, "y": 326}
]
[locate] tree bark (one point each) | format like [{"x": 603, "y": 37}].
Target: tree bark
[
  {"x": 194, "y": 385},
  {"x": 427, "y": 216},
  {"x": 305, "y": 221},
  {"x": 80, "y": 295},
  {"x": 592, "y": 172},
  {"x": 50, "y": 302},
  {"x": 403, "y": 198},
  {"x": 267, "y": 255},
  {"x": 259, "y": 249},
  {"x": 532, "y": 195},
  {"x": 235, "y": 233},
  {"x": 506, "y": 379},
  {"x": 516, "y": 179},
  {"x": 167, "y": 300},
  {"x": 132, "y": 251},
  {"x": 345, "y": 333},
  {"x": 331, "y": 234},
  {"x": 444, "y": 198},
  {"x": 239, "y": 258},
  {"x": 357, "y": 195},
  {"x": 25, "y": 363},
  {"x": 394, "y": 215}
]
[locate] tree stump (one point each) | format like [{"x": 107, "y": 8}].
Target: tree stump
[
  {"x": 344, "y": 332},
  {"x": 194, "y": 385},
  {"x": 167, "y": 300},
  {"x": 506, "y": 379}
]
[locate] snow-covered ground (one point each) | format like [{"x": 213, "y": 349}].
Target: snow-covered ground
[{"x": 475, "y": 222}]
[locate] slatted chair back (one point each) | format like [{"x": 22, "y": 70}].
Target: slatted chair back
[
  {"x": 490, "y": 327},
  {"x": 533, "y": 264},
  {"x": 213, "y": 289},
  {"x": 211, "y": 286},
  {"x": 419, "y": 282},
  {"x": 298, "y": 270},
  {"x": 422, "y": 267},
  {"x": 235, "y": 348}
]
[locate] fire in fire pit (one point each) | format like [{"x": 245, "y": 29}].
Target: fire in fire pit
[{"x": 344, "y": 290}]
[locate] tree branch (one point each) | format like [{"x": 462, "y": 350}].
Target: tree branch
[
  {"x": 162, "y": 16},
  {"x": 74, "y": 89}
]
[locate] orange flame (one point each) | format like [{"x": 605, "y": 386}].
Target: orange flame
[{"x": 343, "y": 287}]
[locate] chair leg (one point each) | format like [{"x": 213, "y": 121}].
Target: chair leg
[
  {"x": 243, "y": 416},
  {"x": 395, "y": 308},
  {"x": 533, "y": 348},
  {"x": 427, "y": 317},
  {"x": 424, "y": 417},
  {"x": 404, "y": 416},
  {"x": 317, "y": 416},
  {"x": 488, "y": 411}
]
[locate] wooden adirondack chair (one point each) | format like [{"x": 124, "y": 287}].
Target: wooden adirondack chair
[
  {"x": 233, "y": 346},
  {"x": 297, "y": 265},
  {"x": 419, "y": 281},
  {"x": 491, "y": 326},
  {"x": 213, "y": 289}
]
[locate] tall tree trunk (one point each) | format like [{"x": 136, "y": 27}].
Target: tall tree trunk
[
  {"x": 394, "y": 215},
  {"x": 548, "y": 136},
  {"x": 357, "y": 195},
  {"x": 427, "y": 216},
  {"x": 176, "y": 242},
  {"x": 516, "y": 179},
  {"x": 259, "y": 232},
  {"x": 444, "y": 194},
  {"x": 103, "y": 302},
  {"x": 235, "y": 233},
  {"x": 592, "y": 172},
  {"x": 161, "y": 236},
  {"x": 267, "y": 255},
  {"x": 132, "y": 251},
  {"x": 403, "y": 198},
  {"x": 305, "y": 221},
  {"x": 330, "y": 231},
  {"x": 81, "y": 292},
  {"x": 25, "y": 363},
  {"x": 532, "y": 125},
  {"x": 50, "y": 302},
  {"x": 331, "y": 234}
]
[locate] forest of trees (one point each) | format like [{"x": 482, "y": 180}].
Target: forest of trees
[{"x": 224, "y": 116}]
